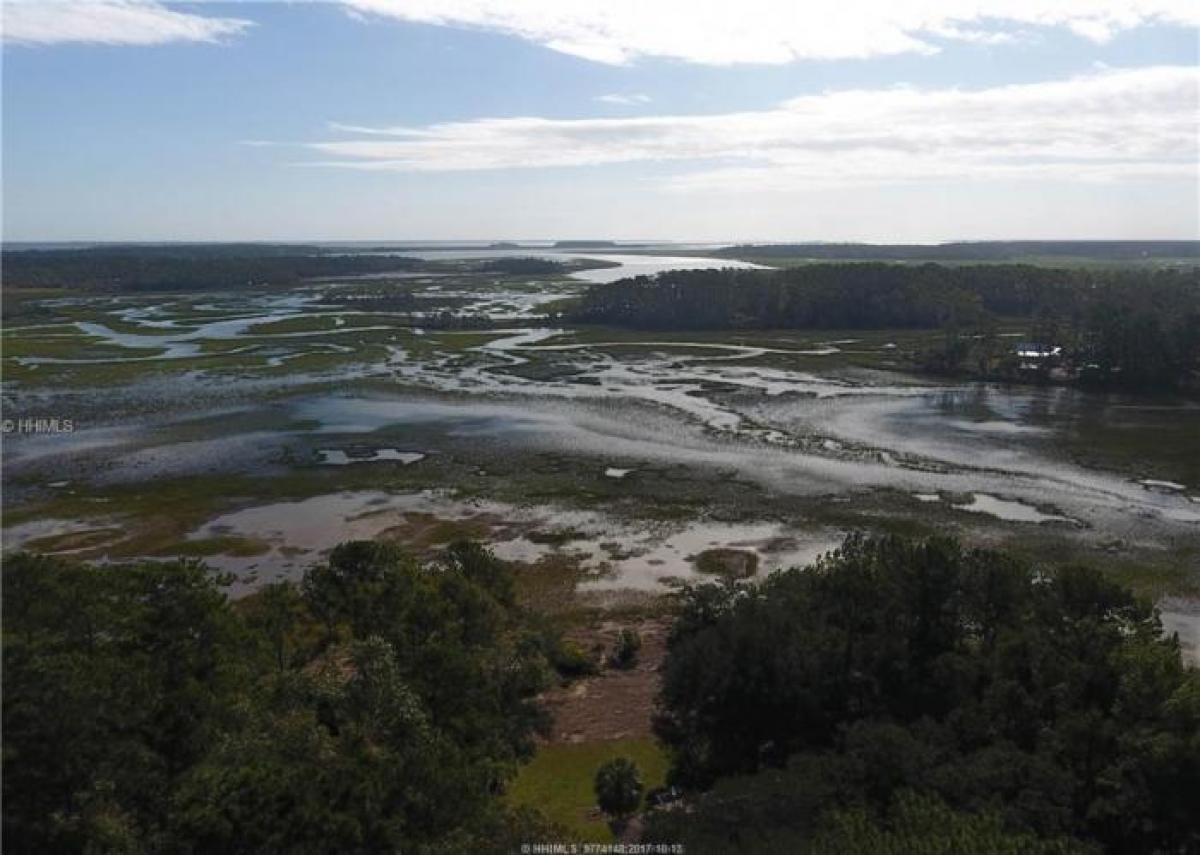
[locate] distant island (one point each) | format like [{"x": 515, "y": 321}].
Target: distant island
[{"x": 1017, "y": 250}]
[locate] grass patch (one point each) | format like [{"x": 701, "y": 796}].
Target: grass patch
[
  {"x": 559, "y": 782},
  {"x": 547, "y": 585},
  {"x": 734, "y": 563},
  {"x": 301, "y": 323},
  {"x": 447, "y": 531},
  {"x": 73, "y": 540},
  {"x": 557, "y": 537},
  {"x": 459, "y": 340},
  {"x": 70, "y": 346},
  {"x": 241, "y": 547}
]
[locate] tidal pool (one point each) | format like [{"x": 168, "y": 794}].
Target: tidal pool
[
  {"x": 981, "y": 503},
  {"x": 338, "y": 457},
  {"x": 617, "y": 554}
]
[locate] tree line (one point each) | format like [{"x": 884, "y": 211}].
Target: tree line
[
  {"x": 1100, "y": 250},
  {"x": 185, "y": 267},
  {"x": 1134, "y": 328}
]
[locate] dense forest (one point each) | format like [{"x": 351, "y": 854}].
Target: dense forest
[
  {"x": 1098, "y": 250},
  {"x": 915, "y": 696},
  {"x": 1137, "y": 328},
  {"x": 185, "y": 267},
  {"x": 897, "y": 696},
  {"x": 380, "y": 706}
]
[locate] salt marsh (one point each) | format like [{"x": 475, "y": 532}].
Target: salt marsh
[{"x": 246, "y": 408}]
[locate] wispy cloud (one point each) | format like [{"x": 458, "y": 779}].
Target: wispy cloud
[
  {"x": 1106, "y": 125},
  {"x": 110, "y": 22},
  {"x": 718, "y": 32},
  {"x": 619, "y": 99}
]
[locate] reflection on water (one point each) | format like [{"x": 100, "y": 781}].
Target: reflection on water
[
  {"x": 649, "y": 265},
  {"x": 338, "y": 457},
  {"x": 982, "y": 503},
  {"x": 628, "y": 264}
]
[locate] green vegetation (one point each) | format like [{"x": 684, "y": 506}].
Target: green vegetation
[
  {"x": 625, "y": 654},
  {"x": 766, "y": 814},
  {"x": 74, "y": 540},
  {"x": 185, "y": 267},
  {"x": 924, "y": 825},
  {"x": 736, "y": 563},
  {"x": 619, "y": 788},
  {"x": 899, "y": 694},
  {"x": 524, "y": 266},
  {"x": 560, "y": 781},
  {"x": 556, "y": 537},
  {"x": 221, "y": 545},
  {"x": 570, "y": 660},
  {"x": 995, "y": 251},
  {"x": 1136, "y": 329},
  {"x": 831, "y": 296},
  {"x": 381, "y": 706},
  {"x": 300, "y": 323}
]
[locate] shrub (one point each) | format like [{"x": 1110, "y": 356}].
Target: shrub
[
  {"x": 571, "y": 661},
  {"x": 625, "y": 654},
  {"x": 619, "y": 787}
]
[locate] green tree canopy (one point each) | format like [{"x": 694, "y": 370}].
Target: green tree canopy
[
  {"x": 380, "y": 707},
  {"x": 1049, "y": 699},
  {"x": 619, "y": 787}
]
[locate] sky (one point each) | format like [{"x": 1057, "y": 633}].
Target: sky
[{"x": 746, "y": 120}]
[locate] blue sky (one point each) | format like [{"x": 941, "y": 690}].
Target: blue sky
[{"x": 406, "y": 119}]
